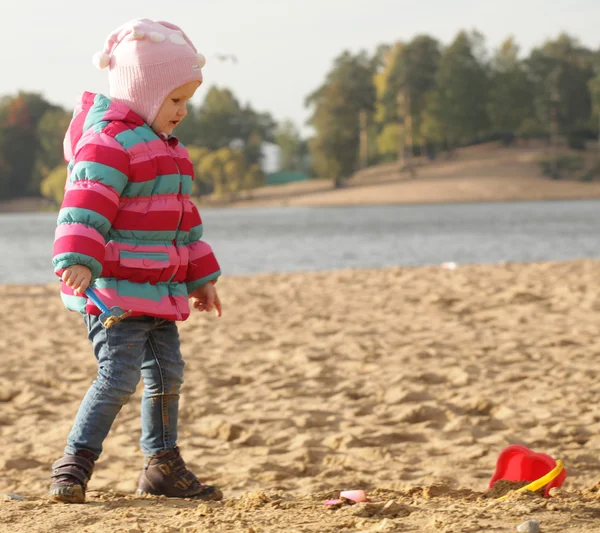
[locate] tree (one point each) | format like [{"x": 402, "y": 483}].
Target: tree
[
  {"x": 188, "y": 132},
  {"x": 253, "y": 178},
  {"x": 459, "y": 106},
  {"x": 288, "y": 139},
  {"x": 251, "y": 147},
  {"x": 211, "y": 170},
  {"x": 202, "y": 185},
  {"x": 380, "y": 57},
  {"x": 234, "y": 169},
  {"x": 50, "y": 132},
  {"x": 225, "y": 171},
  {"x": 53, "y": 185},
  {"x": 510, "y": 101},
  {"x": 5, "y": 171},
  {"x": 22, "y": 154},
  {"x": 407, "y": 76},
  {"x": 594, "y": 86},
  {"x": 433, "y": 129},
  {"x": 561, "y": 71},
  {"x": 18, "y": 148},
  {"x": 388, "y": 140},
  {"x": 221, "y": 121},
  {"x": 255, "y": 129},
  {"x": 348, "y": 90},
  {"x": 422, "y": 62},
  {"x": 389, "y": 70}
]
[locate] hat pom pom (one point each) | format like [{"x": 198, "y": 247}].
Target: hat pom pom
[
  {"x": 201, "y": 60},
  {"x": 101, "y": 60},
  {"x": 157, "y": 37}
]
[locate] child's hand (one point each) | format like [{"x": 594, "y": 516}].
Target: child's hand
[
  {"x": 78, "y": 278},
  {"x": 205, "y": 298}
]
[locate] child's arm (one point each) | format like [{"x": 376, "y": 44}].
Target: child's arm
[
  {"x": 98, "y": 174},
  {"x": 203, "y": 266}
]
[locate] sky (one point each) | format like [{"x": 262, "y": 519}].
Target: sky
[{"x": 284, "y": 48}]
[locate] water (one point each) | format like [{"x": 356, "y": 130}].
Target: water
[{"x": 255, "y": 240}]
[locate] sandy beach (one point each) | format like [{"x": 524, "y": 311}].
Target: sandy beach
[{"x": 404, "y": 382}]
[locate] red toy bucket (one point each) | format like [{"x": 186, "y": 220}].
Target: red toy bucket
[{"x": 518, "y": 463}]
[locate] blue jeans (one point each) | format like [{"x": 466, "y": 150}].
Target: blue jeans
[{"x": 145, "y": 346}]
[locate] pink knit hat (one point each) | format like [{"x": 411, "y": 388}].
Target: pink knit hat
[{"x": 146, "y": 61}]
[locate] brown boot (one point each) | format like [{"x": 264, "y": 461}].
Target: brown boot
[
  {"x": 166, "y": 475},
  {"x": 70, "y": 476}
]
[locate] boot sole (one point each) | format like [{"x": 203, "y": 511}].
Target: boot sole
[
  {"x": 214, "y": 495},
  {"x": 67, "y": 493}
]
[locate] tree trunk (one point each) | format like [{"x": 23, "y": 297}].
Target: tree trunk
[
  {"x": 363, "y": 139},
  {"x": 401, "y": 131},
  {"x": 338, "y": 183},
  {"x": 408, "y": 128}
]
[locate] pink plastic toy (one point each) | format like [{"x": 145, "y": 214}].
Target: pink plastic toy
[
  {"x": 357, "y": 496},
  {"x": 354, "y": 495}
]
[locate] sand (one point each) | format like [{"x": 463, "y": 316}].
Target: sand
[{"x": 404, "y": 382}]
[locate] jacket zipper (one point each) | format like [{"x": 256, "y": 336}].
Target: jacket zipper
[{"x": 177, "y": 229}]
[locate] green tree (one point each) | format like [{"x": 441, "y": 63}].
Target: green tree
[
  {"x": 251, "y": 147},
  {"x": 21, "y": 150},
  {"x": 234, "y": 169},
  {"x": 18, "y": 148},
  {"x": 348, "y": 90},
  {"x": 407, "y": 76},
  {"x": 51, "y": 131},
  {"x": 188, "y": 132},
  {"x": 379, "y": 60},
  {"x": 53, "y": 185},
  {"x": 211, "y": 170},
  {"x": 253, "y": 178},
  {"x": 255, "y": 129},
  {"x": 221, "y": 121},
  {"x": 423, "y": 55},
  {"x": 225, "y": 171},
  {"x": 594, "y": 87},
  {"x": 510, "y": 100},
  {"x": 388, "y": 80},
  {"x": 561, "y": 71},
  {"x": 5, "y": 170},
  {"x": 388, "y": 140},
  {"x": 288, "y": 139},
  {"x": 203, "y": 185},
  {"x": 458, "y": 108}
]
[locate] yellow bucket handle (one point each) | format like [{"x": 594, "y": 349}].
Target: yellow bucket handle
[{"x": 541, "y": 482}]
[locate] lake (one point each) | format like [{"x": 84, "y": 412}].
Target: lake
[{"x": 274, "y": 239}]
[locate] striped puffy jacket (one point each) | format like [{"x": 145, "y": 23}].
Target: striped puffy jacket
[{"x": 127, "y": 215}]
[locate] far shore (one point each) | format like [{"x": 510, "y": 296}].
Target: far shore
[{"x": 485, "y": 173}]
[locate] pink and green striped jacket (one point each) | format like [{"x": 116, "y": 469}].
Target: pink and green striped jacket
[{"x": 127, "y": 215}]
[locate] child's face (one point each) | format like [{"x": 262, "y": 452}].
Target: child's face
[{"x": 173, "y": 109}]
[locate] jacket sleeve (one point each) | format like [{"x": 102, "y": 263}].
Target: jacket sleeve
[
  {"x": 203, "y": 266},
  {"x": 97, "y": 175}
]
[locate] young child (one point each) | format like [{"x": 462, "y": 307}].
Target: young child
[{"x": 127, "y": 228}]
